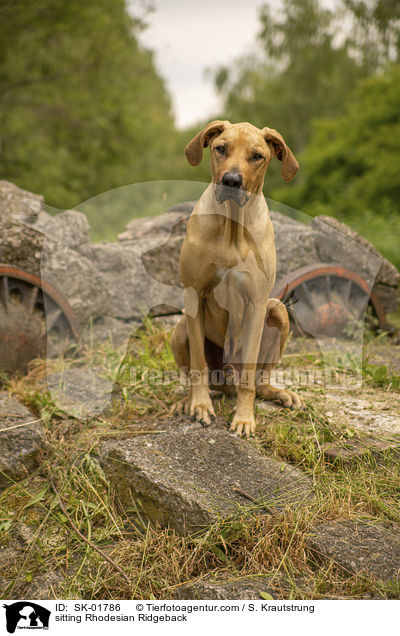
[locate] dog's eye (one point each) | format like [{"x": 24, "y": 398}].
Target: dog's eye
[
  {"x": 257, "y": 156},
  {"x": 220, "y": 149}
]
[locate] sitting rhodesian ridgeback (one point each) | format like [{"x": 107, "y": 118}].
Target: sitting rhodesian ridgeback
[{"x": 227, "y": 265}]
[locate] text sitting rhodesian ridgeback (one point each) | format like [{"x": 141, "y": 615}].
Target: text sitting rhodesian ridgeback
[{"x": 227, "y": 266}]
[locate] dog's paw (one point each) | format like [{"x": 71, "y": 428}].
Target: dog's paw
[
  {"x": 202, "y": 410},
  {"x": 243, "y": 425},
  {"x": 290, "y": 399},
  {"x": 181, "y": 408}
]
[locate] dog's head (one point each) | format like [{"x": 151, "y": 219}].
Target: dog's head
[{"x": 240, "y": 154}]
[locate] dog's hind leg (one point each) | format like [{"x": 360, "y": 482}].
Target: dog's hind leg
[{"x": 273, "y": 343}]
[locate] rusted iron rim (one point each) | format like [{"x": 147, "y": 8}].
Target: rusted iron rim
[
  {"x": 304, "y": 274},
  {"x": 52, "y": 292}
]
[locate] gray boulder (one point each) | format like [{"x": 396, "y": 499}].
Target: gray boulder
[
  {"x": 80, "y": 392},
  {"x": 162, "y": 224},
  {"x": 140, "y": 274},
  {"x": 296, "y": 244},
  {"x": 358, "y": 547},
  {"x": 339, "y": 243},
  {"x": 103, "y": 280},
  {"x": 246, "y": 588},
  {"x": 20, "y": 245},
  {"x": 130, "y": 288},
  {"x": 323, "y": 240},
  {"x": 189, "y": 477},
  {"x": 162, "y": 261},
  {"x": 21, "y": 441}
]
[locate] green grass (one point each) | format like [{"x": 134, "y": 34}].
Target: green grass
[
  {"x": 381, "y": 376},
  {"x": 70, "y": 496}
]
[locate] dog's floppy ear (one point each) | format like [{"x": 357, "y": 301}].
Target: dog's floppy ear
[
  {"x": 194, "y": 149},
  {"x": 283, "y": 153}
]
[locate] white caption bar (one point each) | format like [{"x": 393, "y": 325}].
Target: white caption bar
[{"x": 195, "y": 617}]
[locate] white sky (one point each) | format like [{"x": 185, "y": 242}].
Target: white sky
[{"x": 190, "y": 36}]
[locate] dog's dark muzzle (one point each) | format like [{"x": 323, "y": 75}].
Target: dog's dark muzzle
[{"x": 231, "y": 188}]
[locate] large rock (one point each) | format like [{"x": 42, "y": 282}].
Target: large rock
[
  {"x": 81, "y": 392},
  {"x": 164, "y": 223},
  {"x": 140, "y": 274},
  {"x": 162, "y": 261},
  {"x": 21, "y": 441},
  {"x": 131, "y": 290},
  {"x": 295, "y": 244},
  {"x": 68, "y": 262},
  {"x": 188, "y": 477},
  {"x": 358, "y": 547},
  {"x": 102, "y": 280},
  {"x": 339, "y": 243},
  {"x": 323, "y": 240},
  {"x": 246, "y": 588},
  {"x": 363, "y": 448},
  {"x": 55, "y": 248},
  {"x": 20, "y": 245},
  {"x": 329, "y": 226}
]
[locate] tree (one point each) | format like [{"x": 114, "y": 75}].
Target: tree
[
  {"x": 82, "y": 109},
  {"x": 310, "y": 63},
  {"x": 375, "y": 36},
  {"x": 352, "y": 165},
  {"x": 303, "y": 72}
]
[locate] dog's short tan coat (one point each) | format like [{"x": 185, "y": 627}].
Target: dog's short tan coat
[{"x": 227, "y": 267}]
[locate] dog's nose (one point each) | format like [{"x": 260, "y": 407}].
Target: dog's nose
[{"x": 232, "y": 179}]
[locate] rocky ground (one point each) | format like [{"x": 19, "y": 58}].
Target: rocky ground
[{"x": 106, "y": 495}]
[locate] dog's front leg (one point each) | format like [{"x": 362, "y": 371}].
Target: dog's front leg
[
  {"x": 201, "y": 408},
  {"x": 244, "y": 421}
]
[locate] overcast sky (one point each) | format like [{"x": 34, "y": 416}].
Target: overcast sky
[{"x": 190, "y": 36}]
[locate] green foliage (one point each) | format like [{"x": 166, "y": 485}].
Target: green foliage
[
  {"x": 302, "y": 74},
  {"x": 312, "y": 84},
  {"x": 376, "y": 31},
  {"x": 310, "y": 63},
  {"x": 352, "y": 163},
  {"x": 82, "y": 109}
]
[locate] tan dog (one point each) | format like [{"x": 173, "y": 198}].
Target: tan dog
[{"x": 227, "y": 267}]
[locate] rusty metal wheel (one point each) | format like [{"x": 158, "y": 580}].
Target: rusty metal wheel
[
  {"x": 328, "y": 300},
  {"x": 33, "y": 316}
]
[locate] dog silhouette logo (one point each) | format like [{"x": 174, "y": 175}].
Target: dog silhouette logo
[{"x": 26, "y": 615}]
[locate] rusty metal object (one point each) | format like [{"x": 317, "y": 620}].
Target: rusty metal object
[
  {"x": 327, "y": 299},
  {"x": 33, "y": 316}
]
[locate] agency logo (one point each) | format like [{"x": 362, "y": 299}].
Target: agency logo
[{"x": 26, "y": 615}]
